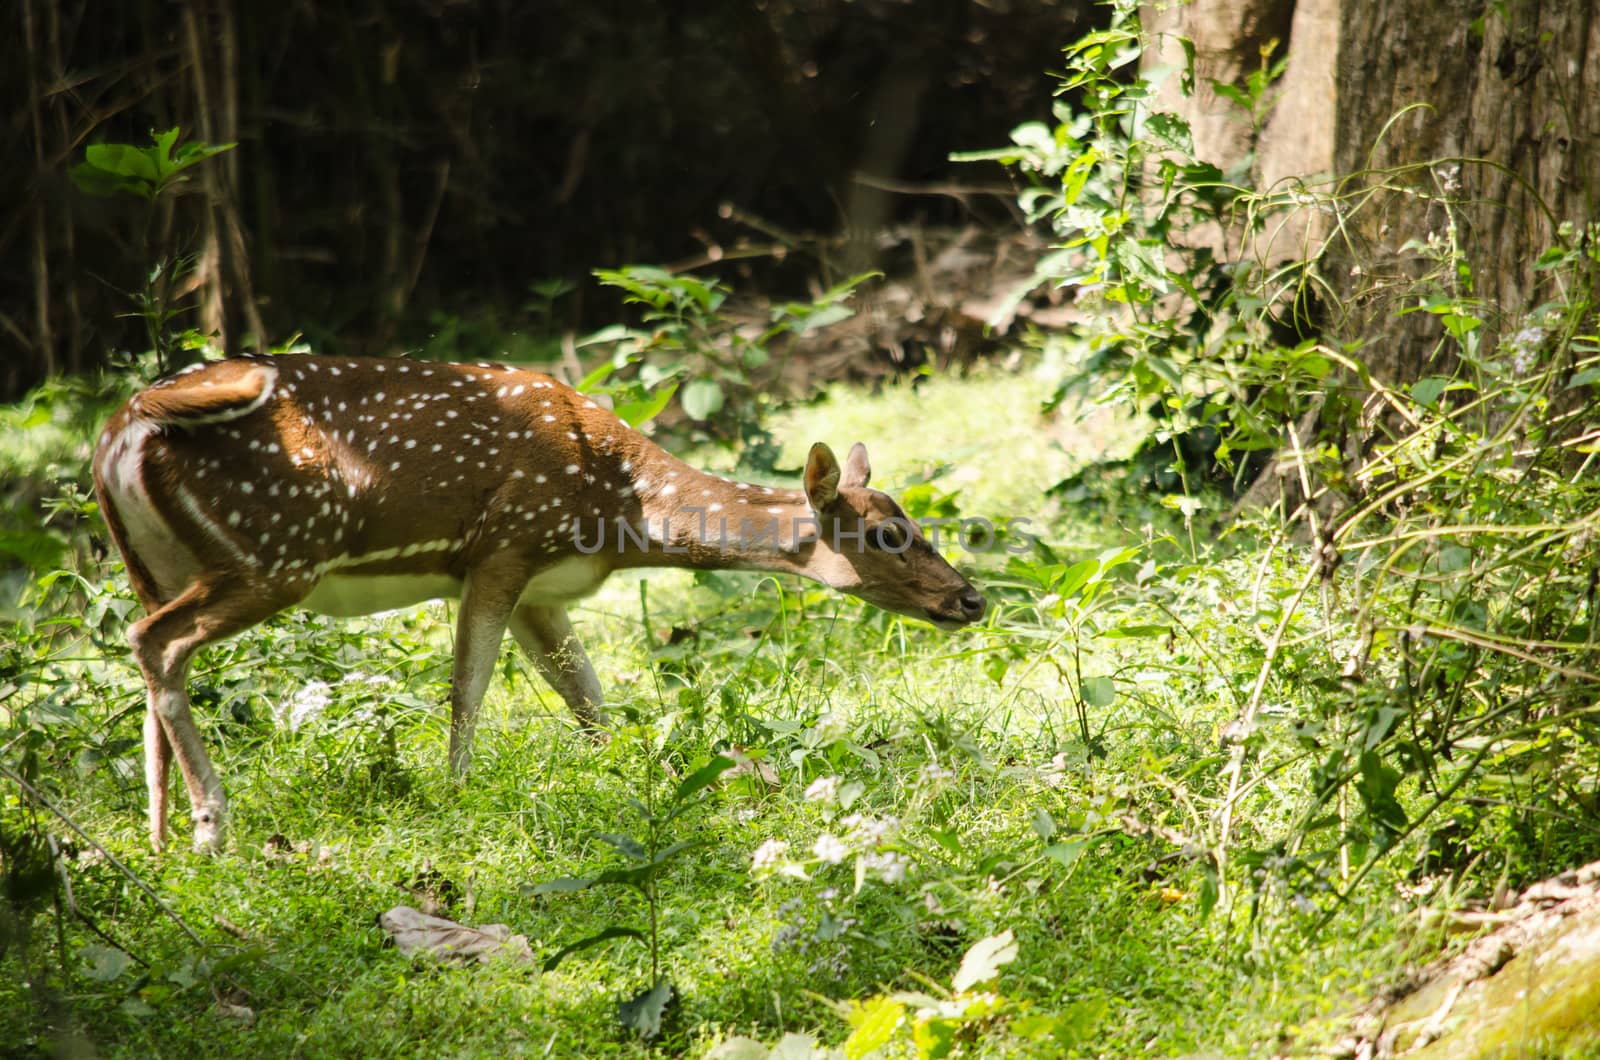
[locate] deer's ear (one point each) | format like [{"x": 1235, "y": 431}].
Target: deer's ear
[
  {"x": 857, "y": 471},
  {"x": 822, "y": 477}
]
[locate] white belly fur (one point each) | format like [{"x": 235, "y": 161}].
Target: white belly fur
[
  {"x": 568, "y": 580},
  {"x": 347, "y": 595}
]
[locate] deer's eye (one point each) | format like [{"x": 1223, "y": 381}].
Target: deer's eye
[{"x": 891, "y": 537}]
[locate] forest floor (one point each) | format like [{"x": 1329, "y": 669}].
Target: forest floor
[{"x": 987, "y": 843}]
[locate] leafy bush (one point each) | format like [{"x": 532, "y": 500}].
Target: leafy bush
[{"x": 1422, "y": 637}]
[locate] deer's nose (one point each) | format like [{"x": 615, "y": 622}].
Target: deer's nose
[{"x": 972, "y": 604}]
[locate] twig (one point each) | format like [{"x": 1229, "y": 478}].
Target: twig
[
  {"x": 72, "y": 904},
  {"x": 38, "y": 796}
]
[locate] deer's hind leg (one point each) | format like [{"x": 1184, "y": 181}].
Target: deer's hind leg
[
  {"x": 210, "y": 609},
  {"x": 545, "y": 635}
]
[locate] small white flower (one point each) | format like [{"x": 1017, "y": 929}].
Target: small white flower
[
  {"x": 832, "y": 727},
  {"x": 823, "y": 789},
  {"x": 889, "y": 866},
  {"x": 936, "y": 774},
  {"x": 870, "y": 831},
  {"x": 769, "y": 856},
  {"x": 830, "y": 849},
  {"x": 306, "y": 706},
  {"x": 1525, "y": 349}
]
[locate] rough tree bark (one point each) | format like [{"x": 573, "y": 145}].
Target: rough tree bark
[
  {"x": 1514, "y": 92},
  {"x": 1511, "y": 125}
]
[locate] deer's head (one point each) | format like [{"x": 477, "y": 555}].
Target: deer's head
[{"x": 868, "y": 547}]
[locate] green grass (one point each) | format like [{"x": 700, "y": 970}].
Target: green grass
[{"x": 1090, "y": 854}]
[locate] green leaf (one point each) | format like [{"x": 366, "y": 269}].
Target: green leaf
[
  {"x": 596, "y": 377},
  {"x": 105, "y": 963},
  {"x": 1377, "y": 787},
  {"x": 92, "y": 180},
  {"x": 163, "y": 149},
  {"x": 875, "y": 1022},
  {"x": 935, "y": 1038},
  {"x": 1099, "y": 691},
  {"x": 610, "y": 333},
  {"x": 1135, "y": 630},
  {"x": 592, "y": 940},
  {"x": 634, "y": 413},
  {"x": 123, "y": 160},
  {"x": 1171, "y": 131},
  {"x": 1073, "y": 578},
  {"x": 702, "y": 398},
  {"x": 1067, "y": 853},
  {"x": 1208, "y": 891},
  {"x": 1426, "y": 391},
  {"x": 984, "y": 961},
  {"x": 1044, "y": 826},
  {"x": 624, "y": 844},
  {"x": 642, "y": 1012},
  {"x": 703, "y": 777},
  {"x": 194, "y": 151}
]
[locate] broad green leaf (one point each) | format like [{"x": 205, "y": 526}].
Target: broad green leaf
[
  {"x": 624, "y": 844},
  {"x": 984, "y": 961},
  {"x": 596, "y": 377},
  {"x": 105, "y": 963},
  {"x": 1073, "y": 578},
  {"x": 702, "y": 398},
  {"x": 642, "y": 1012},
  {"x": 1044, "y": 826},
  {"x": 1208, "y": 891},
  {"x": 702, "y": 778},
  {"x": 1426, "y": 391},
  {"x": 1135, "y": 630},
  {"x": 92, "y": 180},
  {"x": 163, "y": 150},
  {"x": 611, "y": 333},
  {"x": 564, "y": 885},
  {"x": 1067, "y": 854},
  {"x": 596, "y": 939},
  {"x": 935, "y": 1038},
  {"x": 1171, "y": 131},
  {"x": 123, "y": 160},
  {"x": 634, "y": 413},
  {"x": 875, "y": 1022},
  {"x": 1099, "y": 691},
  {"x": 194, "y": 151}
]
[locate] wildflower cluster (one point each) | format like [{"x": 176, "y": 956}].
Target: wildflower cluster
[{"x": 869, "y": 840}]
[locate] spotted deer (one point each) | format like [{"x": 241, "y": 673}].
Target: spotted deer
[{"x": 240, "y": 488}]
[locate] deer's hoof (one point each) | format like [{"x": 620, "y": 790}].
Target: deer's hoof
[{"x": 208, "y": 831}]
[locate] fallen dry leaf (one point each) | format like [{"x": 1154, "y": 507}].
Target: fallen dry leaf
[
  {"x": 744, "y": 765},
  {"x": 415, "y": 932}
]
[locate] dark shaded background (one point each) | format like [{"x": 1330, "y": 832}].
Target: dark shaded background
[{"x": 408, "y": 165}]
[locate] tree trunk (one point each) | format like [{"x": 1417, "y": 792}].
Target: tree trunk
[
  {"x": 1487, "y": 114},
  {"x": 1510, "y": 129}
]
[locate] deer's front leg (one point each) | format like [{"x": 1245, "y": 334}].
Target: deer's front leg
[
  {"x": 545, "y": 635},
  {"x": 487, "y": 600}
]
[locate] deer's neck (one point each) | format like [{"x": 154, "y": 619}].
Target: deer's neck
[{"x": 702, "y": 521}]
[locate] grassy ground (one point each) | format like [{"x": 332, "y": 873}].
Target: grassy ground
[{"x": 966, "y": 802}]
